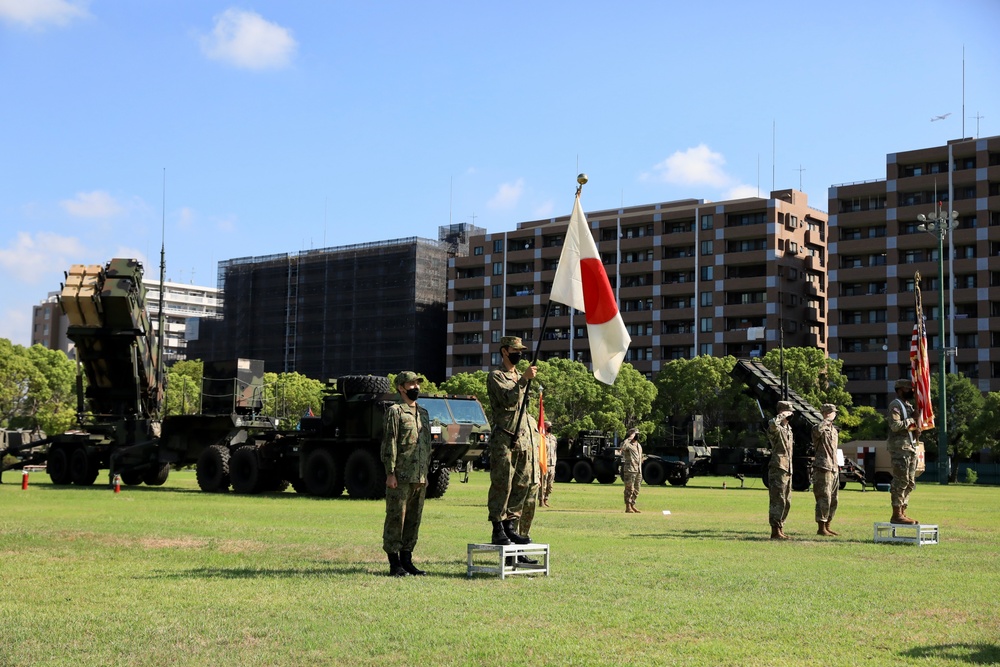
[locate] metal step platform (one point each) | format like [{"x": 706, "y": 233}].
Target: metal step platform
[
  {"x": 916, "y": 533},
  {"x": 492, "y": 559}
]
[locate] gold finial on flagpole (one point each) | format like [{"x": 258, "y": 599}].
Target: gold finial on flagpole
[{"x": 581, "y": 179}]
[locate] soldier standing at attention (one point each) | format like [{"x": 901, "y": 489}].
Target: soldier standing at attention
[
  {"x": 826, "y": 472},
  {"x": 902, "y": 445},
  {"x": 631, "y": 453},
  {"x": 406, "y": 453},
  {"x": 551, "y": 444},
  {"x": 510, "y": 452},
  {"x": 779, "y": 470}
]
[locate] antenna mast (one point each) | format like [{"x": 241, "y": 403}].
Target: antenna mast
[{"x": 163, "y": 273}]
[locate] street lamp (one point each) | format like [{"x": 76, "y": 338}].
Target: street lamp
[{"x": 938, "y": 224}]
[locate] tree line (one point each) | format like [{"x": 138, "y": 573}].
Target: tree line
[{"x": 37, "y": 391}]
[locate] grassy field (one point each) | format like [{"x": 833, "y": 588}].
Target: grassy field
[{"x": 173, "y": 576}]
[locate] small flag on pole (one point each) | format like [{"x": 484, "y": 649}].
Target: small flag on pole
[
  {"x": 543, "y": 458},
  {"x": 582, "y": 283}
]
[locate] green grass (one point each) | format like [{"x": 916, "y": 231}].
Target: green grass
[{"x": 173, "y": 576}]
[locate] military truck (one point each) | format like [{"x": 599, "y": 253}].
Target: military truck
[
  {"x": 873, "y": 456},
  {"x": 591, "y": 455}
]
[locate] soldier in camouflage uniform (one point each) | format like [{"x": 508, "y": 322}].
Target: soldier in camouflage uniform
[
  {"x": 826, "y": 472},
  {"x": 631, "y": 453},
  {"x": 902, "y": 445},
  {"x": 510, "y": 453},
  {"x": 406, "y": 452},
  {"x": 779, "y": 470},
  {"x": 549, "y": 478},
  {"x": 522, "y": 525}
]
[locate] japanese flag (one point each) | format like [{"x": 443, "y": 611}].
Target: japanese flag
[{"x": 582, "y": 283}]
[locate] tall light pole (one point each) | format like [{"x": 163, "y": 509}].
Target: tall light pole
[{"x": 938, "y": 224}]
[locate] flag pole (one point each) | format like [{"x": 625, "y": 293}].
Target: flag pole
[{"x": 581, "y": 180}]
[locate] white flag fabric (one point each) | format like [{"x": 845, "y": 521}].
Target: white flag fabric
[{"x": 582, "y": 283}]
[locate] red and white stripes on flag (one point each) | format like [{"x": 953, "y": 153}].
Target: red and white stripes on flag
[
  {"x": 920, "y": 371},
  {"x": 582, "y": 283}
]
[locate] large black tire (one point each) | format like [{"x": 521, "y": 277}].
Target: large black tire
[
  {"x": 132, "y": 477},
  {"x": 364, "y": 475},
  {"x": 564, "y": 472},
  {"x": 58, "y": 466},
  {"x": 324, "y": 476},
  {"x": 765, "y": 476},
  {"x": 244, "y": 470},
  {"x": 883, "y": 478},
  {"x": 843, "y": 483},
  {"x": 607, "y": 479},
  {"x": 437, "y": 482},
  {"x": 583, "y": 472},
  {"x": 654, "y": 473},
  {"x": 212, "y": 470},
  {"x": 157, "y": 475},
  {"x": 800, "y": 479},
  {"x": 352, "y": 385},
  {"x": 82, "y": 468}
]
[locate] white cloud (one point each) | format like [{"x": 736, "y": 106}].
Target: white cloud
[
  {"x": 15, "y": 324},
  {"x": 187, "y": 218},
  {"x": 96, "y": 204},
  {"x": 695, "y": 166},
  {"x": 38, "y": 13},
  {"x": 544, "y": 210},
  {"x": 30, "y": 258},
  {"x": 742, "y": 191},
  {"x": 245, "y": 39},
  {"x": 508, "y": 195}
]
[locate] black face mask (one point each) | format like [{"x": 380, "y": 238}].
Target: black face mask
[
  {"x": 515, "y": 357},
  {"x": 413, "y": 394},
  {"x": 908, "y": 395}
]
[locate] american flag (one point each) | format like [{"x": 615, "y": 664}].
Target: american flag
[{"x": 921, "y": 374}]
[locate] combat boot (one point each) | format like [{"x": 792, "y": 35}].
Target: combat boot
[
  {"x": 830, "y": 530},
  {"x": 526, "y": 561},
  {"x": 499, "y": 535},
  {"x": 635, "y": 509},
  {"x": 406, "y": 560},
  {"x": 898, "y": 518},
  {"x": 902, "y": 512},
  {"x": 395, "y": 567},
  {"x": 508, "y": 528},
  {"x": 823, "y": 530},
  {"x": 628, "y": 508}
]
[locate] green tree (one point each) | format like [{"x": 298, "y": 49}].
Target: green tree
[
  {"x": 986, "y": 426},
  {"x": 633, "y": 396},
  {"x": 812, "y": 375},
  {"x": 183, "y": 388},
  {"x": 469, "y": 384},
  {"x": 289, "y": 396},
  {"x": 862, "y": 423},
  {"x": 573, "y": 399},
  {"x": 54, "y": 401},
  {"x": 965, "y": 403}
]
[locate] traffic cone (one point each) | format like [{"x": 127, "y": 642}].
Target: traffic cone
[
  {"x": 24, "y": 480},
  {"x": 118, "y": 483}
]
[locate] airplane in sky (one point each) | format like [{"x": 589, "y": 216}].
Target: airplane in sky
[{"x": 941, "y": 117}]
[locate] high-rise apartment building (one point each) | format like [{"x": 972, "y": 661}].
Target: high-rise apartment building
[
  {"x": 371, "y": 308},
  {"x": 691, "y": 277},
  {"x": 877, "y": 247}
]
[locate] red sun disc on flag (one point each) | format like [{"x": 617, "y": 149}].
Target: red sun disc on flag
[{"x": 598, "y": 297}]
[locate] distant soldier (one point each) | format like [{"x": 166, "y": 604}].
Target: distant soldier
[
  {"x": 510, "y": 452},
  {"x": 406, "y": 453},
  {"x": 551, "y": 445},
  {"x": 826, "y": 472},
  {"x": 779, "y": 470},
  {"x": 902, "y": 445},
  {"x": 631, "y": 453}
]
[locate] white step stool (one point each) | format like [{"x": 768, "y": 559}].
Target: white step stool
[
  {"x": 499, "y": 553},
  {"x": 915, "y": 533}
]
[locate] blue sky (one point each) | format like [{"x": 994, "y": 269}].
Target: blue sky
[{"x": 282, "y": 126}]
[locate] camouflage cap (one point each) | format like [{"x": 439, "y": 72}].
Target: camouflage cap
[
  {"x": 513, "y": 342},
  {"x": 784, "y": 406},
  {"x": 828, "y": 408},
  {"x": 548, "y": 423},
  {"x": 903, "y": 383},
  {"x": 408, "y": 376}
]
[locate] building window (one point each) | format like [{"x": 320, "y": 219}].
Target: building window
[
  {"x": 498, "y": 245},
  {"x": 705, "y": 349},
  {"x": 478, "y": 250},
  {"x": 495, "y": 336},
  {"x": 706, "y": 247},
  {"x": 498, "y": 268},
  {"x": 496, "y": 314},
  {"x": 707, "y": 221},
  {"x": 706, "y": 325},
  {"x": 706, "y": 298}
]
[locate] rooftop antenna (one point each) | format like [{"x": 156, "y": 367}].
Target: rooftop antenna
[
  {"x": 800, "y": 170},
  {"x": 163, "y": 273},
  {"x": 451, "y": 196},
  {"x": 326, "y": 205},
  {"x": 773, "y": 127},
  {"x": 978, "y": 118},
  {"x": 758, "y": 175},
  {"x": 963, "y": 92}
]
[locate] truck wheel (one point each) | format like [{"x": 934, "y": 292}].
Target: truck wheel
[
  {"x": 437, "y": 482},
  {"x": 583, "y": 473},
  {"x": 678, "y": 475},
  {"x": 212, "y": 470},
  {"x": 58, "y": 466},
  {"x": 157, "y": 475},
  {"x": 765, "y": 476},
  {"x": 81, "y": 468},
  {"x": 654, "y": 474},
  {"x": 607, "y": 479},
  {"x": 324, "y": 477},
  {"x": 132, "y": 477},
  {"x": 564, "y": 472},
  {"x": 352, "y": 385},
  {"x": 883, "y": 478},
  {"x": 244, "y": 470},
  {"x": 364, "y": 476},
  {"x": 800, "y": 479},
  {"x": 843, "y": 483}
]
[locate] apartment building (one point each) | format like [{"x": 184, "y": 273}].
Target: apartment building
[
  {"x": 877, "y": 247},
  {"x": 691, "y": 277}
]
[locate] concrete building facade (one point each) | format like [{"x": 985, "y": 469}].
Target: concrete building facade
[
  {"x": 691, "y": 277},
  {"x": 876, "y": 249}
]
